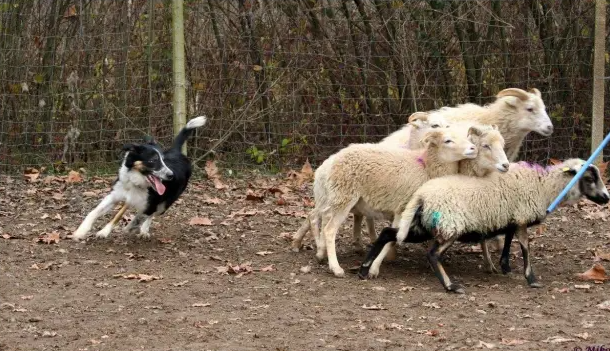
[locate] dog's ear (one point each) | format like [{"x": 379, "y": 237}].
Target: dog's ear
[
  {"x": 129, "y": 147},
  {"x": 149, "y": 140},
  {"x": 132, "y": 148}
]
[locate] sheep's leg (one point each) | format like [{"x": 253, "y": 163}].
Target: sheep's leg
[
  {"x": 297, "y": 240},
  {"x": 330, "y": 234},
  {"x": 321, "y": 242},
  {"x": 367, "y": 269},
  {"x": 489, "y": 265},
  {"x": 357, "y": 233},
  {"x": 434, "y": 255},
  {"x": 370, "y": 227},
  {"x": 315, "y": 229},
  {"x": 505, "y": 258},
  {"x": 525, "y": 250}
]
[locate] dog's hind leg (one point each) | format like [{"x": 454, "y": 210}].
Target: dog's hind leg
[
  {"x": 104, "y": 232},
  {"x": 106, "y": 205},
  {"x": 133, "y": 225},
  {"x": 145, "y": 228}
]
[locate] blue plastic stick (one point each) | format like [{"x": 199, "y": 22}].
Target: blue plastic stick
[{"x": 578, "y": 175}]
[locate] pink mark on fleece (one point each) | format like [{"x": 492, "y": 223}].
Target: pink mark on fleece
[
  {"x": 420, "y": 160},
  {"x": 536, "y": 167}
]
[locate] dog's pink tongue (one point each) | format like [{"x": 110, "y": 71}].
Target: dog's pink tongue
[{"x": 159, "y": 187}]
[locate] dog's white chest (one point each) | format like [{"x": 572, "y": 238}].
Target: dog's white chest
[{"x": 133, "y": 188}]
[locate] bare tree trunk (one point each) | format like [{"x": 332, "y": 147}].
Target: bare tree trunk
[{"x": 260, "y": 75}]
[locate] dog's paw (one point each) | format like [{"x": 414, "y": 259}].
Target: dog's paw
[
  {"x": 79, "y": 234},
  {"x": 143, "y": 235},
  {"x": 104, "y": 232}
]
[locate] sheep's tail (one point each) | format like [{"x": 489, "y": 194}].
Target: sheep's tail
[
  {"x": 187, "y": 130},
  {"x": 407, "y": 217}
]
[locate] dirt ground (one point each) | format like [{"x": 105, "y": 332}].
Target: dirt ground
[{"x": 66, "y": 295}]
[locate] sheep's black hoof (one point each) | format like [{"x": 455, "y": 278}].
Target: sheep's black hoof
[
  {"x": 456, "y": 288},
  {"x": 535, "y": 285},
  {"x": 506, "y": 269},
  {"x": 363, "y": 272}
]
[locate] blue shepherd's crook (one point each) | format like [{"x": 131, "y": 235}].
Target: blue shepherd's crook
[{"x": 579, "y": 174}]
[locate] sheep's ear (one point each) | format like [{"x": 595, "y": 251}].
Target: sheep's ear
[
  {"x": 494, "y": 127},
  {"x": 417, "y": 124},
  {"x": 535, "y": 92},
  {"x": 516, "y": 92},
  {"x": 418, "y": 116},
  {"x": 431, "y": 138},
  {"x": 573, "y": 169},
  {"x": 475, "y": 131}
]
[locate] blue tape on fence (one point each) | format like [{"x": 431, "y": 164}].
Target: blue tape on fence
[{"x": 579, "y": 174}]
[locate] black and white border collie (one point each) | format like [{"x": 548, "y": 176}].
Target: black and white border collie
[{"x": 150, "y": 180}]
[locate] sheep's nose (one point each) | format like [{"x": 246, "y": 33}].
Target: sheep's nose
[
  {"x": 505, "y": 165},
  {"x": 549, "y": 129}
]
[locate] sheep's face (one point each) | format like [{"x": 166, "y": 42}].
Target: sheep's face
[
  {"x": 590, "y": 185},
  {"x": 424, "y": 120},
  {"x": 452, "y": 145},
  {"x": 491, "y": 155},
  {"x": 529, "y": 110}
]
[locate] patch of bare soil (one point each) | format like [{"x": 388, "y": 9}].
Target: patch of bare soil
[{"x": 218, "y": 274}]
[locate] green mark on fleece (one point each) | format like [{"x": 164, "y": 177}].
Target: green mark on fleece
[{"x": 436, "y": 217}]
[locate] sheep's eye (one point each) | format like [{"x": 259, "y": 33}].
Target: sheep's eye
[
  {"x": 487, "y": 147},
  {"x": 435, "y": 126},
  {"x": 448, "y": 141},
  {"x": 530, "y": 109}
]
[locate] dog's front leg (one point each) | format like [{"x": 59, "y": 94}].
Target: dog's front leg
[
  {"x": 106, "y": 205},
  {"x": 104, "y": 232}
]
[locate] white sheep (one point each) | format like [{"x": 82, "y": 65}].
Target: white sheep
[
  {"x": 516, "y": 112},
  {"x": 375, "y": 178},
  {"x": 457, "y": 206},
  {"x": 408, "y": 136}
]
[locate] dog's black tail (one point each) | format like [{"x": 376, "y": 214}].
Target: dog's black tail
[{"x": 187, "y": 130}]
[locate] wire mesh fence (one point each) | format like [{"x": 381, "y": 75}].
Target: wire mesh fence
[{"x": 280, "y": 81}]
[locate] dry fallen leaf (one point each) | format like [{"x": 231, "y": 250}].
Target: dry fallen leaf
[
  {"x": 52, "y": 238},
  {"x": 431, "y": 305},
  {"x": 305, "y": 269},
  {"x": 212, "y": 171},
  {"x": 604, "y": 305},
  {"x": 89, "y": 193},
  {"x": 6, "y": 236},
  {"x": 264, "y": 253},
  {"x": 212, "y": 201},
  {"x": 268, "y": 268},
  {"x": 554, "y": 161},
  {"x": 601, "y": 256},
  {"x": 140, "y": 277},
  {"x": 584, "y": 286},
  {"x": 597, "y": 272},
  {"x": 557, "y": 339},
  {"x": 485, "y": 344},
  {"x": 199, "y": 304},
  {"x": 251, "y": 195},
  {"x": 182, "y": 283},
  {"x": 31, "y": 174},
  {"x": 74, "y": 177},
  {"x": 512, "y": 342},
  {"x": 200, "y": 221},
  {"x": 373, "y": 307},
  {"x": 583, "y": 336}
]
